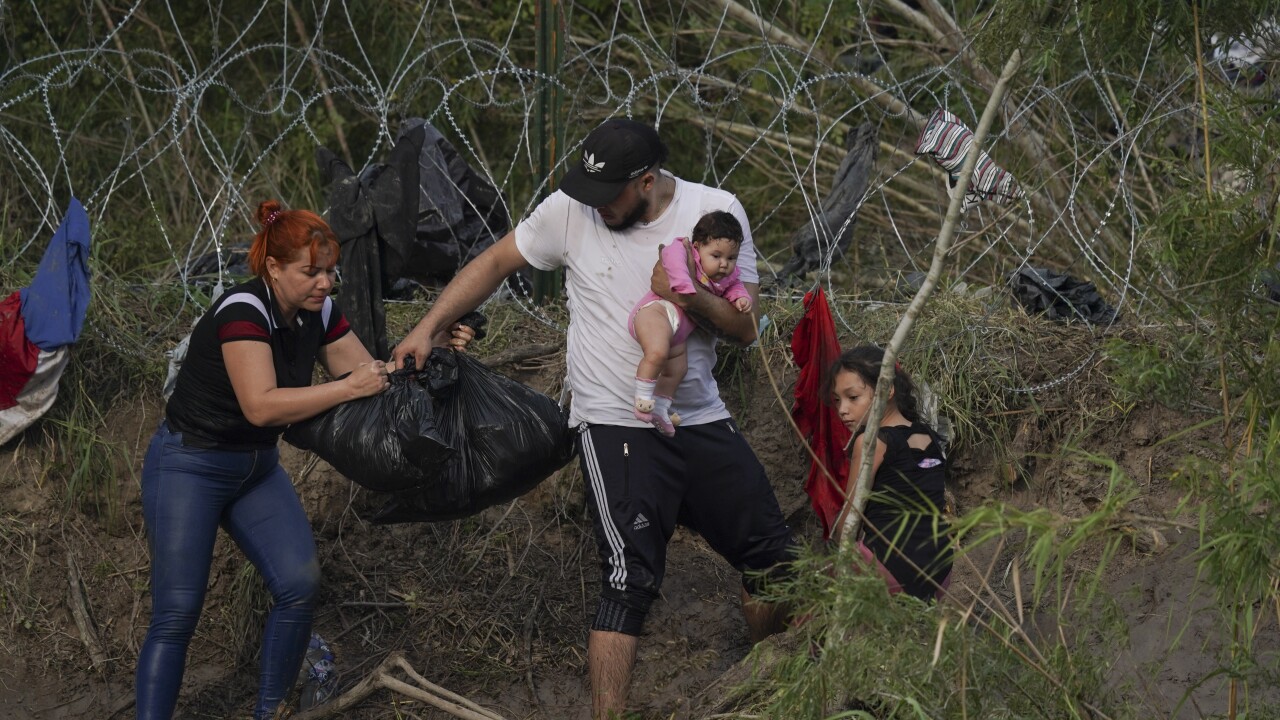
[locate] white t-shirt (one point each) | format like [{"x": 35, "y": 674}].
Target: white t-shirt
[{"x": 606, "y": 273}]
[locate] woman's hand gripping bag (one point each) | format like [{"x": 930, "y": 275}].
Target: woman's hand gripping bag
[{"x": 385, "y": 442}]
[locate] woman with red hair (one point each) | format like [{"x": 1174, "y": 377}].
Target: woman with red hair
[{"x": 214, "y": 461}]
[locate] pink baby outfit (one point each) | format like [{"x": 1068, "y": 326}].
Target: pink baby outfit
[{"x": 675, "y": 262}]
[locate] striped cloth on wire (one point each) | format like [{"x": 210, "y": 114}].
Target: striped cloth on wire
[{"x": 947, "y": 140}]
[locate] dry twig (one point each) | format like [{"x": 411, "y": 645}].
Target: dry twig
[
  {"x": 520, "y": 354},
  {"x": 418, "y": 688},
  {"x": 83, "y": 616}
]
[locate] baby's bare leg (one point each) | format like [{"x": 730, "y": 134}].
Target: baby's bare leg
[
  {"x": 653, "y": 331},
  {"x": 673, "y": 371}
]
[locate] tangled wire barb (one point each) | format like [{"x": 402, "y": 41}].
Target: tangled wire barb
[{"x": 172, "y": 120}]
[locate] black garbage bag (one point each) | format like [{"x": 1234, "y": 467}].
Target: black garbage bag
[
  {"x": 813, "y": 245},
  {"x": 231, "y": 264},
  {"x": 509, "y": 438},
  {"x": 385, "y": 442},
  {"x": 370, "y": 213},
  {"x": 1059, "y": 296},
  {"x": 458, "y": 212}
]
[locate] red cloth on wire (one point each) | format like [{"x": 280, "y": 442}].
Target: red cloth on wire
[
  {"x": 18, "y": 355},
  {"x": 816, "y": 348}
]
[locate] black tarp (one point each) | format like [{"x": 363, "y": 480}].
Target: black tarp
[
  {"x": 459, "y": 212},
  {"x": 369, "y": 212},
  {"x": 834, "y": 224},
  {"x": 1059, "y": 296},
  {"x": 419, "y": 216}
]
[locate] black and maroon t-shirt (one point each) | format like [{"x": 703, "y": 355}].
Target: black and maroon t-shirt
[{"x": 203, "y": 406}]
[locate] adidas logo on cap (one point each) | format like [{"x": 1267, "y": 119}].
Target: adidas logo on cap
[{"x": 617, "y": 151}]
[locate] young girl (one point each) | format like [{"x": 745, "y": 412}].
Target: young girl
[
  {"x": 904, "y": 534},
  {"x": 662, "y": 328}
]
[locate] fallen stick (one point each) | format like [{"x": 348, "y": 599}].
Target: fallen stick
[
  {"x": 82, "y": 615},
  {"x": 408, "y": 669},
  {"x": 519, "y": 354},
  {"x": 423, "y": 690}
]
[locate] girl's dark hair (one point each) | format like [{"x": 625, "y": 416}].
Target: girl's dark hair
[
  {"x": 717, "y": 224},
  {"x": 865, "y": 360},
  {"x": 285, "y": 232}
]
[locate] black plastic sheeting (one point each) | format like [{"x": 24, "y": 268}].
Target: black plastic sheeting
[
  {"x": 811, "y": 243},
  {"x": 447, "y": 441},
  {"x": 459, "y": 212},
  {"x": 1059, "y": 296},
  {"x": 419, "y": 216},
  {"x": 232, "y": 264},
  {"x": 369, "y": 212},
  {"x": 509, "y": 438}
]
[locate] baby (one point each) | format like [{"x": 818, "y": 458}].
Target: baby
[{"x": 662, "y": 328}]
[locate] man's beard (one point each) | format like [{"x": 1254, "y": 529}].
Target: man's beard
[{"x": 632, "y": 217}]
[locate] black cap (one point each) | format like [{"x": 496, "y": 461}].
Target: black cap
[{"x": 615, "y": 153}]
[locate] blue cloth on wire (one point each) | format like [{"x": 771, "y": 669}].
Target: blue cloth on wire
[{"x": 54, "y": 305}]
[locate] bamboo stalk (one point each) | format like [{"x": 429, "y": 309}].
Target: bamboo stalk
[
  {"x": 1142, "y": 164},
  {"x": 1204, "y": 115},
  {"x": 128, "y": 69},
  {"x": 919, "y": 19}
]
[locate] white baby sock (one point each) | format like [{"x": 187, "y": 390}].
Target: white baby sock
[
  {"x": 662, "y": 415},
  {"x": 644, "y": 399}
]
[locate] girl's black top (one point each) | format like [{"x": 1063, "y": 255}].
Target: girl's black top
[{"x": 906, "y": 506}]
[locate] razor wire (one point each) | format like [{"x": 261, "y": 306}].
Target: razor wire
[{"x": 199, "y": 186}]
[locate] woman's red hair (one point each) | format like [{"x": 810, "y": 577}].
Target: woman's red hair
[{"x": 285, "y": 232}]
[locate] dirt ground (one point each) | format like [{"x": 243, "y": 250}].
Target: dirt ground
[{"x": 495, "y": 607}]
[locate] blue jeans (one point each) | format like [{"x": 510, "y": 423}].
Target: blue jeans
[{"x": 187, "y": 493}]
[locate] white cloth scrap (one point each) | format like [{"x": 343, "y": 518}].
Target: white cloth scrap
[{"x": 37, "y": 395}]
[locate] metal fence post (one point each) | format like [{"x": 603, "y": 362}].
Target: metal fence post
[{"x": 548, "y": 127}]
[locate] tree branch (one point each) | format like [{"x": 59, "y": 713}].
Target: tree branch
[
  {"x": 882, "y": 97},
  {"x": 862, "y": 488},
  {"x": 419, "y": 689}
]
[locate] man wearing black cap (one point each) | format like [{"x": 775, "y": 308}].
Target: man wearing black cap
[{"x": 614, "y": 210}]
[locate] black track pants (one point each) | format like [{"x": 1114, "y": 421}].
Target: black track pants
[{"x": 641, "y": 484}]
